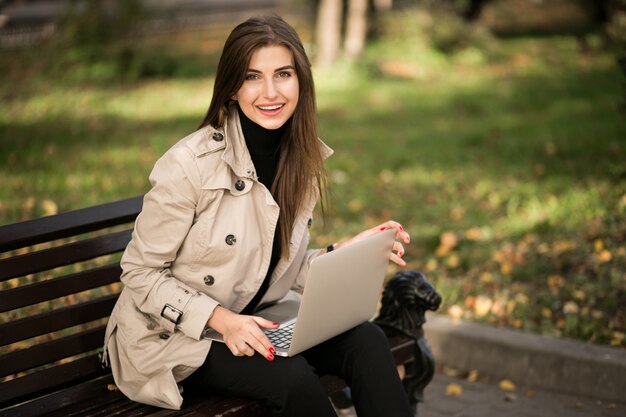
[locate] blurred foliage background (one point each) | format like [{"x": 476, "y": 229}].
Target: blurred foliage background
[{"x": 494, "y": 131}]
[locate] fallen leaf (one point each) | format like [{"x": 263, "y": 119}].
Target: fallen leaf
[
  {"x": 449, "y": 239},
  {"x": 506, "y": 268},
  {"x": 473, "y": 376},
  {"x": 570, "y": 307},
  {"x": 431, "y": 265},
  {"x": 454, "y": 389},
  {"x": 457, "y": 213},
  {"x": 112, "y": 387},
  {"x": 507, "y": 385},
  {"x": 455, "y": 312},
  {"x": 49, "y": 207},
  {"x": 618, "y": 338},
  {"x": 453, "y": 261},
  {"x": 482, "y": 306},
  {"x": 451, "y": 372},
  {"x": 510, "y": 397},
  {"x": 605, "y": 256},
  {"x": 521, "y": 298},
  {"x": 598, "y": 245},
  {"x": 28, "y": 204},
  {"x": 555, "y": 281},
  {"x": 473, "y": 234},
  {"x": 486, "y": 277}
]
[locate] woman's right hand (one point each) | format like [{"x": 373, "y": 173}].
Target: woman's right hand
[{"x": 242, "y": 334}]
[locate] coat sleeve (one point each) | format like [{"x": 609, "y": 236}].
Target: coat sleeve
[
  {"x": 160, "y": 229},
  {"x": 303, "y": 274}
]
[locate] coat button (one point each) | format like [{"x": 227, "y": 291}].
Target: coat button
[
  {"x": 230, "y": 240},
  {"x": 309, "y": 223},
  {"x": 218, "y": 137},
  {"x": 209, "y": 280},
  {"x": 164, "y": 336},
  {"x": 240, "y": 185}
]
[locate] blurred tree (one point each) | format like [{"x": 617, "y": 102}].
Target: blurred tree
[
  {"x": 328, "y": 31},
  {"x": 356, "y": 28},
  {"x": 383, "y": 5},
  {"x": 330, "y": 18}
]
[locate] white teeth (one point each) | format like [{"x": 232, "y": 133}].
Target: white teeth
[{"x": 276, "y": 107}]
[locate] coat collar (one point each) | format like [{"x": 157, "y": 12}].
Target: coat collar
[
  {"x": 233, "y": 144},
  {"x": 236, "y": 153}
]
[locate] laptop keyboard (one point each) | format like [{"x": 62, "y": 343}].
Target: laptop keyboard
[{"x": 281, "y": 337}]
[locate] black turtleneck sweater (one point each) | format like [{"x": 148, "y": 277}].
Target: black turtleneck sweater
[{"x": 264, "y": 148}]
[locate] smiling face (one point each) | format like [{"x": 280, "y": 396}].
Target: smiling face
[{"x": 269, "y": 93}]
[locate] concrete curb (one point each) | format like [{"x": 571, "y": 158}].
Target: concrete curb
[{"x": 532, "y": 360}]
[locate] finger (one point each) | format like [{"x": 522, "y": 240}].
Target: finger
[
  {"x": 266, "y": 323},
  {"x": 398, "y": 248},
  {"x": 248, "y": 350},
  {"x": 261, "y": 343},
  {"x": 263, "y": 346},
  {"x": 397, "y": 260},
  {"x": 243, "y": 348},
  {"x": 233, "y": 349},
  {"x": 400, "y": 234}
]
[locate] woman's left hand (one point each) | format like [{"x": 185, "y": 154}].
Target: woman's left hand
[{"x": 397, "y": 251}]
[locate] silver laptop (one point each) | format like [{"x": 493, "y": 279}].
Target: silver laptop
[{"x": 342, "y": 291}]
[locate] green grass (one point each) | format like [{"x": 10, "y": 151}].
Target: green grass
[{"x": 505, "y": 164}]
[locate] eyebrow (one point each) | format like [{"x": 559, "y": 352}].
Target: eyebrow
[{"x": 291, "y": 67}]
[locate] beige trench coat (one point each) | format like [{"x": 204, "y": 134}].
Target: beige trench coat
[{"x": 203, "y": 238}]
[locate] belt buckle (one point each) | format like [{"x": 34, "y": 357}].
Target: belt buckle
[{"x": 171, "y": 313}]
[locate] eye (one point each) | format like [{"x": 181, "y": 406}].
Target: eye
[
  {"x": 251, "y": 77},
  {"x": 284, "y": 74}
]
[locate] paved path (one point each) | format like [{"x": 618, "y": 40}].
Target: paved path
[{"x": 484, "y": 398}]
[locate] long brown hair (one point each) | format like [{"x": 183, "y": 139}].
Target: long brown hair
[{"x": 301, "y": 172}]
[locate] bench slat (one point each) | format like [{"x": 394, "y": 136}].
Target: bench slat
[
  {"x": 68, "y": 254},
  {"x": 26, "y": 295},
  {"x": 93, "y": 398},
  {"x": 38, "y": 382},
  {"x": 49, "y": 352},
  {"x": 93, "y": 392},
  {"x": 58, "y": 319},
  {"x": 71, "y": 223},
  {"x": 104, "y": 405}
]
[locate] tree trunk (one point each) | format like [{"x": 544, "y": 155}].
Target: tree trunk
[
  {"x": 383, "y": 5},
  {"x": 328, "y": 31},
  {"x": 356, "y": 28}
]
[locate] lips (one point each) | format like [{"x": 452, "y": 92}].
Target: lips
[{"x": 271, "y": 108}]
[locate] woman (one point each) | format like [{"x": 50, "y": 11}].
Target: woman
[{"x": 224, "y": 230}]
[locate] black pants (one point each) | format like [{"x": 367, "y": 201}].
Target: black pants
[{"x": 291, "y": 386}]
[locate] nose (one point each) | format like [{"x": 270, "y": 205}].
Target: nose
[{"x": 269, "y": 89}]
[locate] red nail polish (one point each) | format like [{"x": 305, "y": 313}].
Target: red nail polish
[
  {"x": 382, "y": 228},
  {"x": 272, "y": 350},
  {"x": 401, "y": 228},
  {"x": 270, "y": 358},
  {"x": 276, "y": 323}
]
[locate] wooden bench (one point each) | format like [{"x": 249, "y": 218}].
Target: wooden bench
[{"x": 59, "y": 279}]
